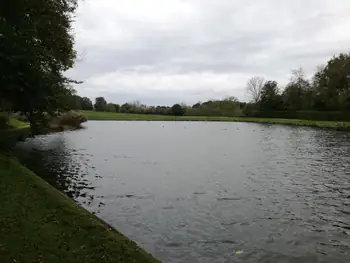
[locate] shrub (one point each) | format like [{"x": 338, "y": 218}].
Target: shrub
[{"x": 70, "y": 120}]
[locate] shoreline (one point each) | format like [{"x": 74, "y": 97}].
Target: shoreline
[
  {"x": 44, "y": 225},
  {"x": 110, "y": 116}
]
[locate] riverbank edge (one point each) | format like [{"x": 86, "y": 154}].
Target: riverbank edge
[
  {"x": 11, "y": 136},
  {"x": 44, "y": 225},
  {"x": 109, "y": 116}
]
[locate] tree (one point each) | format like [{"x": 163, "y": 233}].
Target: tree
[
  {"x": 298, "y": 94},
  {"x": 72, "y": 102},
  {"x": 100, "y": 104},
  {"x": 163, "y": 110},
  {"x": 110, "y": 107},
  {"x": 36, "y": 47},
  {"x": 125, "y": 108},
  {"x": 196, "y": 106},
  {"x": 177, "y": 110},
  {"x": 332, "y": 84},
  {"x": 270, "y": 98},
  {"x": 117, "y": 107},
  {"x": 254, "y": 88},
  {"x": 86, "y": 104}
]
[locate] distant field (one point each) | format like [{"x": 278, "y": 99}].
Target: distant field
[{"x": 93, "y": 115}]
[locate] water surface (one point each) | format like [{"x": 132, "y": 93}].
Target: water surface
[{"x": 208, "y": 192}]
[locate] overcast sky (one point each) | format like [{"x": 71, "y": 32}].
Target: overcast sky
[{"x": 169, "y": 51}]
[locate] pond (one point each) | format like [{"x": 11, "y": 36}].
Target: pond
[{"x": 205, "y": 191}]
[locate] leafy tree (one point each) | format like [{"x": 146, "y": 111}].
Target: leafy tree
[
  {"x": 332, "y": 84},
  {"x": 100, "y": 104},
  {"x": 163, "y": 110},
  {"x": 270, "y": 98},
  {"x": 125, "y": 108},
  {"x": 110, "y": 107},
  {"x": 73, "y": 102},
  {"x": 298, "y": 93},
  {"x": 86, "y": 104},
  {"x": 36, "y": 47},
  {"x": 196, "y": 106},
  {"x": 177, "y": 110},
  {"x": 150, "y": 110}
]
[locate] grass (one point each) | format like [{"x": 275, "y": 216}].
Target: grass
[
  {"x": 39, "y": 224},
  {"x": 16, "y": 131},
  {"x": 13, "y": 123},
  {"x": 93, "y": 115}
]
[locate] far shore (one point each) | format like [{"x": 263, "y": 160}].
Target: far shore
[{"x": 111, "y": 116}]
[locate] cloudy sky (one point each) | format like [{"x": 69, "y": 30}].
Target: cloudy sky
[{"x": 168, "y": 51}]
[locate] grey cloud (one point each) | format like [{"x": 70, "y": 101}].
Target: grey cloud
[{"x": 181, "y": 42}]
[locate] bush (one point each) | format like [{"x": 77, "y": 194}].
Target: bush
[
  {"x": 177, "y": 110},
  {"x": 70, "y": 120}
]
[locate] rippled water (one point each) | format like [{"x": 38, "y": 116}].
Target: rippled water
[{"x": 208, "y": 192}]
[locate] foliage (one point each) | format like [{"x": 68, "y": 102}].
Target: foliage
[
  {"x": 112, "y": 107},
  {"x": 270, "y": 97},
  {"x": 117, "y": 107},
  {"x": 100, "y": 104},
  {"x": 332, "y": 84},
  {"x": 298, "y": 94},
  {"x": 177, "y": 110},
  {"x": 226, "y": 107},
  {"x": 125, "y": 108},
  {"x": 36, "y": 47},
  {"x": 70, "y": 120},
  {"x": 86, "y": 104},
  {"x": 329, "y": 90},
  {"x": 73, "y": 101}
]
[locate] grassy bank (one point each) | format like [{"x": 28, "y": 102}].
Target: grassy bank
[
  {"x": 93, "y": 115},
  {"x": 39, "y": 224},
  {"x": 16, "y": 131}
]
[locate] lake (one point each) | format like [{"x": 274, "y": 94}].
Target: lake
[{"x": 208, "y": 191}]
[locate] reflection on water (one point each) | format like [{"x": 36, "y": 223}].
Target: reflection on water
[
  {"x": 208, "y": 192},
  {"x": 64, "y": 168}
]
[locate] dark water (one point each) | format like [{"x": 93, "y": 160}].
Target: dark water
[{"x": 208, "y": 192}]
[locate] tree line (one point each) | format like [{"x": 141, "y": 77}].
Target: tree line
[
  {"x": 325, "y": 96},
  {"x": 327, "y": 90},
  {"x": 226, "y": 107}
]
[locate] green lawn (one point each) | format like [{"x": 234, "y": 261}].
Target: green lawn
[
  {"x": 39, "y": 224},
  {"x": 93, "y": 115}
]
